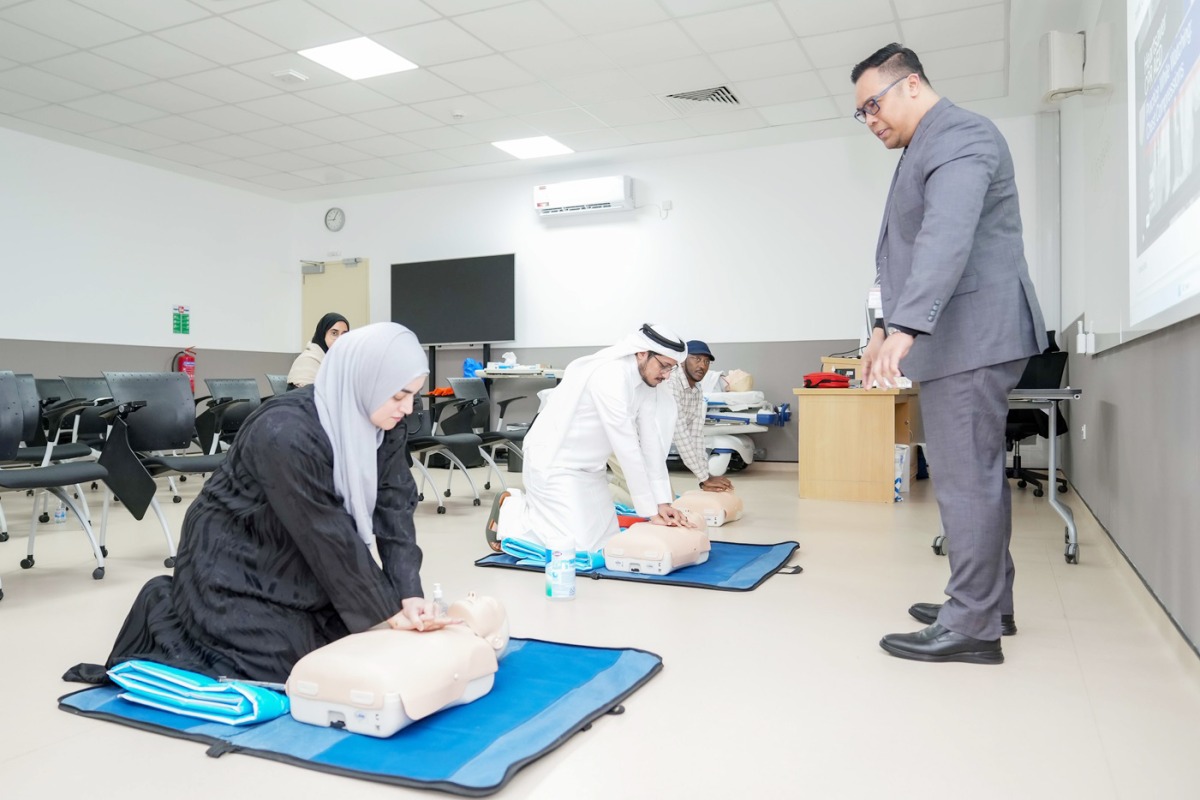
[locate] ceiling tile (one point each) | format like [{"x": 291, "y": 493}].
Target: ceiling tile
[
  {"x": 805, "y": 111},
  {"x": 22, "y": 44},
  {"x": 781, "y": 89},
  {"x": 347, "y": 98},
  {"x": 983, "y": 24},
  {"x": 454, "y": 110},
  {"x": 837, "y": 79},
  {"x": 221, "y": 41},
  {"x": 147, "y": 16},
  {"x": 67, "y": 119},
  {"x": 631, "y": 112},
  {"x": 339, "y": 129},
  {"x": 923, "y": 8},
  {"x": 513, "y": 27},
  {"x": 590, "y": 17},
  {"x": 433, "y": 43},
  {"x": 92, "y": 70},
  {"x": 225, "y": 84},
  {"x": 11, "y": 102},
  {"x": 598, "y": 87},
  {"x": 397, "y": 120},
  {"x": 441, "y": 136},
  {"x": 386, "y": 146},
  {"x": 739, "y": 27},
  {"x": 168, "y": 97},
  {"x": 68, "y": 22},
  {"x": 682, "y": 8},
  {"x": 376, "y": 168},
  {"x": 284, "y": 182},
  {"x": 814, "y": 17},
  {"x": 132, "y": 138},
  {"x": 564, "y": 120},
  {"x": 372, "y": 16},
  {"x": 237, "y": 146},
  {"x": 223, "y": 6},
  {"x": 476, "y": 154},
  {"x": 832, "y": 49},
  {"x": 526, "y": 99},
  {"x": 483, "y": 74},
  {"x": 742, "y": 120},
  {"x": 239, "y": 169},
  {"x": 181, "y": 129},
  {"x": 764, "y": 61},
  {"x": 331, "y": 153},
  {"x": 286, "y": 138},
  {"x": 287, "y": 108},
  {"x": 657, "y": 131},
  {"x": 664, "y": 41},
  {"x": 499, "y": 130},
  {"x": 232, "y": 119},
  {"x": 959, "y": 61},
  {"x": 413, "y": 86},
  {"x": 43, "y": 85},
  {"x": 187, "y": 154},
  {"x": 115, "y": 108},
  {"x": 684, "y": 75},
  {"x": 294, "y": 24},
  {"x": 572, "y": 57},
  {"x": 599, "y": 139},
  {"x": 153, "y": 56},
  {"x": 5, "y": 63},
  {"x": 453, "y": 8},
  {"x": 327, "y": 174},
  {"x": 264, "y": 70},
  {"x": 424, "y": 161},
  {"x": 974, "y": 87},
  {"x": 284, "y": 162}
]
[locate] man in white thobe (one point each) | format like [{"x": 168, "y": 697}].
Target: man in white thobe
[{"x": 608, "y": 403}]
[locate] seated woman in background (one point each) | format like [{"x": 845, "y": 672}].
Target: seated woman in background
[
  {"x": 304, "y": 368},
  {"x": 275, "y": 556}
]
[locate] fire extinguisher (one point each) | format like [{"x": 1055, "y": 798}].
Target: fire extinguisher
[{"x": 185, "y": 361}]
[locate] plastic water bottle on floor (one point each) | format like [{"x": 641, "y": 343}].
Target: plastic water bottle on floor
[
  {"x": 560, "y": 576},
  {"x": 60, "y": 513}
]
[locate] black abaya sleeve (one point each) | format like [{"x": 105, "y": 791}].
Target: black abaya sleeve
[{"x": 395, "y": 534}]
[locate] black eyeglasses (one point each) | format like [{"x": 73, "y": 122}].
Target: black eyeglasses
[
  {"x": 662, "y": 367},
  {"x": 872, "y": 105}
]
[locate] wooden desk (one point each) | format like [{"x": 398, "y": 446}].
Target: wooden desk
[{"x": 848, "y": 439}]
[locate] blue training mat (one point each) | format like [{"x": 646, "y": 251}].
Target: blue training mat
[
  {"x": 731, "y": 566},
  {"x": 544, "y": 693}
]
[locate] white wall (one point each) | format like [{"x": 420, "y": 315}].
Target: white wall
[
  {"x": 97, "y": 249},
  {"x": 766, "y": 244}
]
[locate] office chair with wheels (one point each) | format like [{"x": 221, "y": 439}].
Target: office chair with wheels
[
  {"x": 1044, "y": 371},
  {"x": 474, "y": 415},
  {"x": 422, "y": 441}
]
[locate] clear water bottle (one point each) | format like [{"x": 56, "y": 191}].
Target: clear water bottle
[
  {"x": 560, "y": 576},
  {"x": 440, "y": 607},
  {"x": 60, "y": 513}
]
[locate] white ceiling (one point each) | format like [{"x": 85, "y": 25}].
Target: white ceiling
[{"x": 188, "y": 85}]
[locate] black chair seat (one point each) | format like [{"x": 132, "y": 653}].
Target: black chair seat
[
  {"x": 160, "y": 464},
  {"x": 516, "y": 437},
  {"x": 62, "y": 452},
  {"x": 444, "y": 440},
  {"x": 52, "y": 475}
]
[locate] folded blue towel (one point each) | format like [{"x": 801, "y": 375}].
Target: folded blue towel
[
  {"x": 530, "y": 553},
  {"x": 194, "y": 695},
  {"x": 628, "y": 511}
]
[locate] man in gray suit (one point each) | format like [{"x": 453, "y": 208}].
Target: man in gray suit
[{"x": 959, "y": 316}]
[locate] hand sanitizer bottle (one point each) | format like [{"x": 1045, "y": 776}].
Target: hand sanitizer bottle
[
  {"x": 60, "y": 513},
  {"x": 440, "y": 608},
  {"x": 560, "y": 576}
]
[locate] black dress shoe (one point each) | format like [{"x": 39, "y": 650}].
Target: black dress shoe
[
  {"x": 928, "y": 613},
  {"x": 936, "y": 643}
]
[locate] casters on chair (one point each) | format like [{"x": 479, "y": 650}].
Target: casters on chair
[
  {"x": 1072, "y": 554},
  {"x": 27, "y": 562},
  {"x": 176, "y": 499},
  {"x": 104, "y": 551},
  {"x": 1021, "y": 484},
  {"x": 441, "y": 509},
  {"x": 487, "y": 485},
  {"x": 446, "y": 493},
  {"x": 3, "y": 536},
  {"x": 1038, "y": 493},
  {"x": 475, "y": 502},
  {"x": 43, "y": 517},
  {"x": 169, "y": 562},
  {"x": 939, "y": 545},
  {"x": 98, "y": 574},
  {"x": 183, "y": 478},
  {"x": 95, "y": 486},
  {"x": 1, "y": 594},
  {"x": 1062, "y": 489},
  {"x": 420, "y": 497}
]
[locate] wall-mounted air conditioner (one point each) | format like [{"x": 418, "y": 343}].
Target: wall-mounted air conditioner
[{"x": 584, "y": 197}]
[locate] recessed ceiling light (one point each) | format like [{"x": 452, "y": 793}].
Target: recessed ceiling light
[
  {"x": 358, "y": 58},
  {"x": 533, "y": 147}
]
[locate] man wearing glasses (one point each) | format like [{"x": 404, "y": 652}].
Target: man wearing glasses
[
  {"x": 960, "y": 316},
  {"x": 608, "y": 404}
]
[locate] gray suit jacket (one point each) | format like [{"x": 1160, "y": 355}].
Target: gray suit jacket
[{"x": 950, "y": 259}]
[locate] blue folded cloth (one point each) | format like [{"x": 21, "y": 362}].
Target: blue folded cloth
[
  {"x": 193, "y": 695},
  {"x": 530, "y": 553},
  {"x": 628, "y": 511}
]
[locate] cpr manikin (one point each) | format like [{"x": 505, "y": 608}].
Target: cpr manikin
[
  {"x": 381, "y": 680},
  {"x": 716, "y": 508},
  {"x": 658, "y": 549}
]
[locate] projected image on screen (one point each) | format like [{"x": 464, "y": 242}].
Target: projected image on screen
[
  {"x": 456, "y": 301},
  {"x": 1164, "y": 63}
]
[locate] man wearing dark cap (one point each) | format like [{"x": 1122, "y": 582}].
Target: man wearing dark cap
[{"x": 689, "y": 421}]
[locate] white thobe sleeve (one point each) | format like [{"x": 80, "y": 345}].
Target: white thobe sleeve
[{"x": 627, "y": 428}]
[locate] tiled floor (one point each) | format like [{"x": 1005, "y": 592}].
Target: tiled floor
[{"x": 781, "y": 692}]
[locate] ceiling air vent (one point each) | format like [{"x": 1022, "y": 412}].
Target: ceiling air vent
[{"x": 702, "y": 100}]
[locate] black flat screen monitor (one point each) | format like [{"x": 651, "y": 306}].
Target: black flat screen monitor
[{"x": 456, "y": 301}]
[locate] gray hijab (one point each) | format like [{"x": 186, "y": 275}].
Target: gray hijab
[{"x": 363, "y": 369}]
